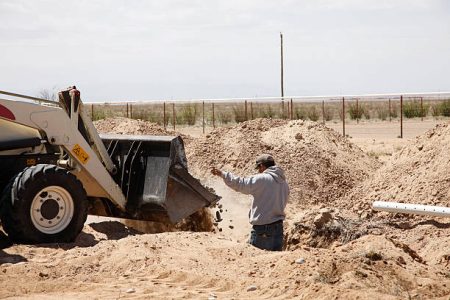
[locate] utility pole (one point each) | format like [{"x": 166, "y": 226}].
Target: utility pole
[{"x": 282, "y": 75}]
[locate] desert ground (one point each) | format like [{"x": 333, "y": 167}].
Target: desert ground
[{"x": 336, "y": 246}]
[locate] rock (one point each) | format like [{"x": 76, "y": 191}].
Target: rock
[
  {"x": 130, "y": 291},
  {"x": 322, "y": 219},
  {"x": 252, "y": 288},
  {"x": 404, "y": 225},
  {"x": 300, "y": 261},
  {"x": 401, "y": 260}
]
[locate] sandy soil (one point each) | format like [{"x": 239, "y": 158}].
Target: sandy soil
[{"x": 335, "y": 248}]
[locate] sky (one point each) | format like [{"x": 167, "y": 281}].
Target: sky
[{"x": 119, "y": 50}]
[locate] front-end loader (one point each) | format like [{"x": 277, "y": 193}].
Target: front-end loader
[{"x": 56, "y": 169}]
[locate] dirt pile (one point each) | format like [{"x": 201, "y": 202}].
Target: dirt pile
[
  {"x": 418, "y": 173},
  {"x": 110, "y": 261},
  {"x": 328, "y": 227},
  {"x": 320, "y": 164},
  {"x": 122, "y": 125}
]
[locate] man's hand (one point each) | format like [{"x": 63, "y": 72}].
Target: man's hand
[{"x": 216, "y": 172}]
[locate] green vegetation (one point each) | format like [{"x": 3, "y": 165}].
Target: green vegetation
[
  {"x": 414, "y": 109},
  {"x": 442, "y": 109},
  {"x": 188, "y": 114},
  {"x": 239, "y": 114}
]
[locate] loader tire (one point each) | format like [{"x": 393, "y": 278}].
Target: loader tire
[{"x": 43, "y": 204}]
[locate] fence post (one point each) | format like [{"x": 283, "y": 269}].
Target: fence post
[
  {"x": 343, "y": 116},
  {"x": 131, "y": 110},
  {"x": 164, "y": 114},
  {"x": 288, "y": 109},
  {"x": 246, "y": 118},
  {"x": 213, "y": 117},
  {"x": 292, "y": 109},
  {"x": 127, "y": 109},
  {"x": 421, "y": 107},
  {"x": 203, "y": 109},
  {"x": 390, "y": 114},
  {"x": 92, "y": 111},
  {"x": 357, "y": 111},
  {"x": 282, "y": 109},
  {"x": 251, "y": 110},
  {"x": 174, "y": 116},
  {"x": 323, "y": 112},
  {"x": 401, "y": 116}
]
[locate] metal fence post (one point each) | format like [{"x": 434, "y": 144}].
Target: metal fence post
[
  {"x": 357, "y": 111},
  {"x": 343, "y": 116},
  {"x": 164, "y": 114},
  {"x": 421, "y": 108},
  {"x": 174, "y": 116},
  {"x": 390, "y": 113},
  {"x": 292, "y": 109},
  {"x": 401, "y": 116},
  {"x": 323, "y": 112},
  {"x": 246, "y": 116},
  {"x": 127, "y": 109},
  {"x": 131, "y": 110},
  {"x": 251, "y": 110},
  {"x": 203, "y": 109},
  {"x": 213, "y": 117}
]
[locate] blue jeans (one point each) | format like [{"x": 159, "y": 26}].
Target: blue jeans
[{"x": 267, "y": 237}]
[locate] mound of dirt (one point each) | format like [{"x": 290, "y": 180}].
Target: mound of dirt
[
  {"x": 418, "y": 173},
  {"x": 186, "y": 265},
  {"x": 320, "y": 164},
  {"x": 122, "y": 125}
]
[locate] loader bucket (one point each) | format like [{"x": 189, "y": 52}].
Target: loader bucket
[{"x": 152, "y": 173}]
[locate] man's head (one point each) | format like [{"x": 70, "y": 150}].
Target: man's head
[{"x": 264, "y": 161}]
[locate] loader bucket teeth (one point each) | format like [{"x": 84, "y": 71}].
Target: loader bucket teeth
[{"x": 152, "y": 173}]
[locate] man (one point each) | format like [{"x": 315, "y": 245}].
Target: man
[{"x": 270, "y": 193}]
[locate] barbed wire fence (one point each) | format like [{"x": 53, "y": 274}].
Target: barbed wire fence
[{"x": 325, "y": 109}]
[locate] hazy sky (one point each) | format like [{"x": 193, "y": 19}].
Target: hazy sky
[{"x": 142, "y": 50}]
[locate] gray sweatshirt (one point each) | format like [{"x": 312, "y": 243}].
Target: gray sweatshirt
[{"x": 270, "y": 193}]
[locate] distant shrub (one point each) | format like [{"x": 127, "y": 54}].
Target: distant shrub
[
  {"x": 99, "y": 114},
  {"x": 328, "y": 113},
  {"x": 239, "y": 114},
  {"x": 313, "y": 115},
  {"x": 225, "y": 117},
  {"x": 444, "y": 108},
  {"x": 356, "y": 111},
  {"x": 382, "y": 113},
  {"x": 188, "y": 114},
  {"x": 300, "y": 113},
  {"x": 394, "y": 113},
  {"x": 267, "y": 112},
  {"x": 413, "y": 109}
]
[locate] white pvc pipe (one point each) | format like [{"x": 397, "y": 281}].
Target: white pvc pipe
[{"x": 418, "y": 209}]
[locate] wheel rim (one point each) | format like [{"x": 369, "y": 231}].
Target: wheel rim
[{"x": 52, "y": 209}]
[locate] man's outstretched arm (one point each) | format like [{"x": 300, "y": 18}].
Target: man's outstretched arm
[{"x": 245, "y": 185}]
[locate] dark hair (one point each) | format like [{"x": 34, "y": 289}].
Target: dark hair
[{"x": 268, "y": 164}]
